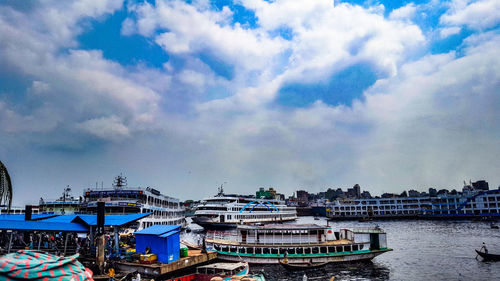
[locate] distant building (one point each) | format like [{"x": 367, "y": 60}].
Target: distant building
[
  {"x": 354, "y": 192},
  {"x": 266, "y": 194},
  {"x": 357, "y": 190},
  {"x": 432, "y": 192},
  {"x": 413, "y": 193},
  {"x": 302, "y": 194},
  {"x": 388, "y": 195},
  {"x": 480, "y": 185},
  {"x": 302, "y": 197},
  {"x": 366, "y": 195}
]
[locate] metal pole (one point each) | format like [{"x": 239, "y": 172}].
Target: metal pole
[
  {"x": 117, "y": 241},
  {"x": 100, "y": 252},
  {"x": 10, "y": 241},
  {"x": 39, "y": 241},
  {"x": 65, "y": 243}
]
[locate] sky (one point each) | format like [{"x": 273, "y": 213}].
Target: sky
[{"x": 185, "y": 96}]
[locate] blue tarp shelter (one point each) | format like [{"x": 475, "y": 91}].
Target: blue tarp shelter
[
  {"x": 91, "y": 220},
  {"x": 163, "y": 240},
  {"x": 41, "y": 226},
  {"x": 20, "y": 217}
]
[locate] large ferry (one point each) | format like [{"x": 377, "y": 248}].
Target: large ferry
[
  {"x": 226, "y": 211},
  {"x": 64, "y": 205},
  {"x": 121, "y": 199},
  {"x": 296, "y": 244},
  {"x": 469, "y": 204}
]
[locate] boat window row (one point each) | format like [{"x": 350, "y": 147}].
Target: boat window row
[
  {"x": 156, "y": 213},
  {"x": 162, "y": 203},
  {"x": 290, "y": 250},
  {"x": 212, "y": 208},
  {"x": 147, "y": 224}
]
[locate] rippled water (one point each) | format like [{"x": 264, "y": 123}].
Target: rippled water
[{"x": 423, "y": 250}]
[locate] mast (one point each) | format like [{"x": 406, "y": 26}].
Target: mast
[{"x": 120, "y": 182}]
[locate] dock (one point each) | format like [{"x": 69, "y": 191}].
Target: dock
[{"x": 194, "y": 258}]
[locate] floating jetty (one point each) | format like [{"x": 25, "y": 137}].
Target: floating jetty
[{"x": 194, "y": 258}]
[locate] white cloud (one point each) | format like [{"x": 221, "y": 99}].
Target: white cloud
[
  {"x": 448, "y": 31},
  {"x": 71, "y": 86},
  {"x": 110, "y": 128},
  {"x": 404, "y": 13},
  {"x": 431, "y": 121},
  {"x": 474, "y": 14}
]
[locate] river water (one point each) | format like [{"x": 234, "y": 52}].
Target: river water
[{"x": 422, "y": 250}]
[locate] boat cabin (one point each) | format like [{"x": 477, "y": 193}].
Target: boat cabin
[
  {"x": 374, "y": 238},
  {"x": 221, "y": 269}
]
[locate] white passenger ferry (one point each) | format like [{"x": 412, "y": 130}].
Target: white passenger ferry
[
  {"x": 296, "y": 244},
  {"x": 226, "y": 211},
  {"x": 470, "y": 204},
  {"x": 64, "y": 205},
  {"x": 121, "y": 199}
]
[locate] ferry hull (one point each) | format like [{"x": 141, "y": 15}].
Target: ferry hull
[{"x": 334, "y": 258}]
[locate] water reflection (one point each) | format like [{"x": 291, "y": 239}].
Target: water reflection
[{"x": 367, "y": 270}]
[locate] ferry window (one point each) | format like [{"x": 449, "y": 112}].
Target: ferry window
[
  {"x": 258, "y": 251},
  {"x": 355, "y": 247},
  {"x": 339, "y": 249},
  {"x": 315, "y": 250},
  {"x": 307, "y": 251},
  {"x": 249, "y": 251},
  {"x": 274, "y": 251},
  {"x": 322, "y": 250},
  {"x": 299, "y": 251},
  {"x": 266, "y": 251},
  {"x": 331, "y": 249}
]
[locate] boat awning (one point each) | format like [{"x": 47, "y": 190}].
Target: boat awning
[
  {"x": 41, "y": 226},
  {"x": 223, "y": 265}
]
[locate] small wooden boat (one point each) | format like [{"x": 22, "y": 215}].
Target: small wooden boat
[
  {"x": 488, "y": 257},
  {"x": 220, "y": 271},
  {"x": 302, "y": 266}
]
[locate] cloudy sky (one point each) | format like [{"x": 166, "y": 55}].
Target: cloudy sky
[{"x": 293, "y": 94}]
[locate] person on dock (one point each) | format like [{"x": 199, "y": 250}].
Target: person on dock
[
  {"x": 484, "y": 247},
  {"x": 111, "y": 274}
]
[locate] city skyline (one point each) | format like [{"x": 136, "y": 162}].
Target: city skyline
[{"x": 186, "y": 95}]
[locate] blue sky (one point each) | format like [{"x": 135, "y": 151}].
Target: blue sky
[{"x": 294, "y": 94}]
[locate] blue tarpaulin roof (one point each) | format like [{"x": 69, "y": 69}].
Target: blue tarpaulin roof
[
  {"x": 61, "y": 219},
  {"x": 109, "y": 220},
  {"x": 160, "y": 230},
  {"x": 41, "y": 225},
  {"x": 20, "y": 217}
]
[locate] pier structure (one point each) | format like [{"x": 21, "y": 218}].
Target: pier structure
[{"x": 194, "y": 258}]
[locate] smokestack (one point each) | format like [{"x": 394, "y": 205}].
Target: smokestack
[{"x": 27, "y": 212}]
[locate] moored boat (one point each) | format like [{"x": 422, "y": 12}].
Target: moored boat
[
  {"x": 120, "y": 199},
  {"x": 301, "y": 266},
  {"x": 488, "y": 257},
  {"x": 226, "y": 211},
  {"x": 224, "y": 271},
  {"x": 300, "y": 244}
]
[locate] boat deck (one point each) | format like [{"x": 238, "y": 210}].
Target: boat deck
[
  {"x": 195, "y": 257},
  {"x": 327, "y": 243}
]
